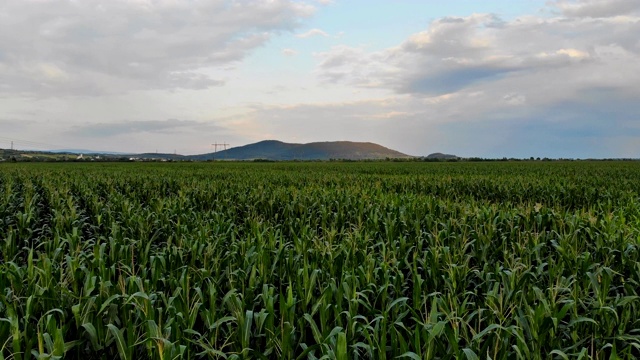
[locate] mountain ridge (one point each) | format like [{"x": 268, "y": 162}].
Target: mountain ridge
[
  {"x": 272, "y": 150},
  {"x": 326, "y": 150}
]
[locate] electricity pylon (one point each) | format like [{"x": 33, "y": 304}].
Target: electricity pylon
[{"x": 215, "y": 148}]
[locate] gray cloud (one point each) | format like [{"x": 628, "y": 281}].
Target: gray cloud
[
  {"x": 597, "y": 8},
  {"x": 596, "y": 124},
  {"x": 136, "y": 127},
  {"x": 449, "y": 81},
  {"x": 14, "y": 124},
  {"x": 64, "y": 47}
]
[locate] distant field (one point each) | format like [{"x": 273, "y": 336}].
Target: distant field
[{"x": 500, "y": 260}]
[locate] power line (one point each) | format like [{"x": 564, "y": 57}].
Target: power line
[{"x": 29, "y": 143}]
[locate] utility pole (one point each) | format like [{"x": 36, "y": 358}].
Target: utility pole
[
  {"x": 215, "y": 148},
  {"x": 12, "y": 146}
]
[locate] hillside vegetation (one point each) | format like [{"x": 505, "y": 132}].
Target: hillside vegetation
[{"x": 277, "y": 150}]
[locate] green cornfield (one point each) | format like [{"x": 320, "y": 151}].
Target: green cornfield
[{"x": 499, "y": 260}]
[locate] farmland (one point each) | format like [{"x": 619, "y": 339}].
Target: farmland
[{"x": 502, "y": 260}]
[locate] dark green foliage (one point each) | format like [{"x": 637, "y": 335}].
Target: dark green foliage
[{"x": 320, "y": 260}]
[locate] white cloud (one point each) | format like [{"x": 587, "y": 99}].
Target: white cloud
[
  {"x": 91, "y": 47},
  {"x": 454, "y": 54},
  {"x": 515, "y": 99},
  {"x": 312, "y": 33},
  {"x": 573, "y": 53},
  {"x": 289, "y": 52},
  {"x": 391, "y": 115}
]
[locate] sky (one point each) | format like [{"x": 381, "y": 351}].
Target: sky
[{"x": 494, "y": 78}]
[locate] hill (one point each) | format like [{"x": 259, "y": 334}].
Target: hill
[
  {"x": 441, "y": 156},
  {"x": 159, "y": 156},
  {"x": 278, "y": 150}
]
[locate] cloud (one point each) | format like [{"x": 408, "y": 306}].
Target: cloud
[
  {"x": 593, "y": 124},
  {"x": 65, "y": 47},
  {"x": 13, "y": 124},
  {"x": 289, "y": 52},
  {"x": 597, "y": 8},
  {"x": 467, "y": 53},
  {"x": 137, "y": 127},
  {"x": 355, "y": 66},
  {"x": 312, "y": 33},
  {"x": 515, "y": 99},
  {"x": 392, "y": 115}
]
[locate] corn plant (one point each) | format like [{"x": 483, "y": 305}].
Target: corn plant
[{"x": 320, "y": 261}]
